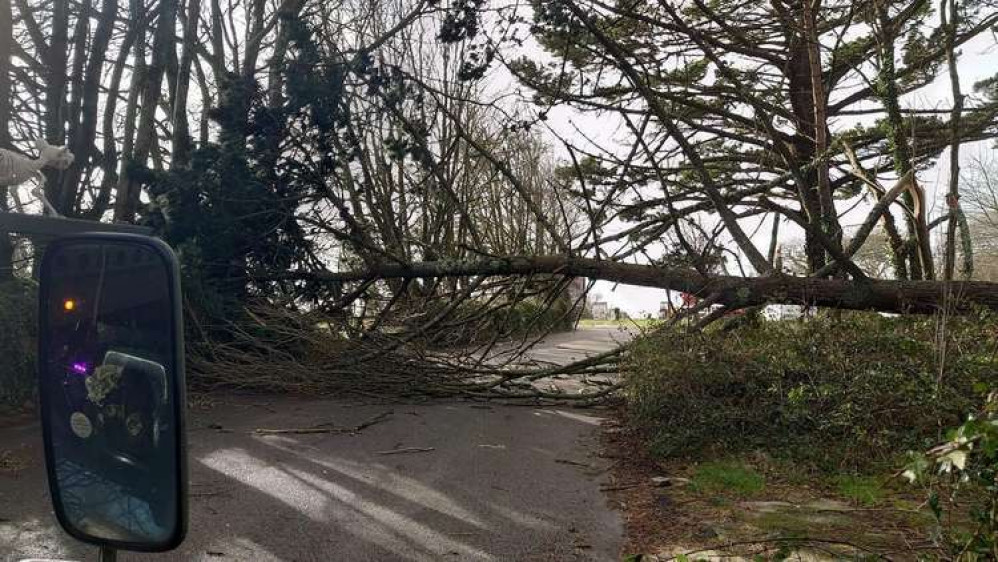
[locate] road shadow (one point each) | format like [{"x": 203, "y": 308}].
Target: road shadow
[{"x": 488, "y": 483}]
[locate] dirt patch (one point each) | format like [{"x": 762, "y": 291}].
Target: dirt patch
[
  {"x": 676, "y": 508},
  {"x": 200, "y": 401},
  {"x": 14, "y": 460}
]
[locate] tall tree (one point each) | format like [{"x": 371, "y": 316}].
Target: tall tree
[
  {"x": 6, "y": 107},
  {"x": 729, "y": 106},
  {"x": 129, "y": 187}
]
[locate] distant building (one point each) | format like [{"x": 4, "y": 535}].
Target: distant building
[
  {"x": 600, "y": 310},
  {"x": 784, "y": 312},
  {"x": 664, "y": 310}
]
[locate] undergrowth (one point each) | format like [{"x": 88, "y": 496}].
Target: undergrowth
[
  {"x": 727, "y": 477},
  {"x": 850, "y": 402},
  {"x": 863, "y": 490},
  {"x": 17, "y": 342},
  {"x": 849, "y": 394}
]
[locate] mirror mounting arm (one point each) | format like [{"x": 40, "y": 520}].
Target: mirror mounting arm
[
  {"x": 50, "y": 227},
  {"x": 107, "y": 554}
]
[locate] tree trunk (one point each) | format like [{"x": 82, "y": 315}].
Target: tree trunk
[
  {"x": 127, "y": 202},
  {"x": 951, "y": 24},
  {"x": 739, "y": 292},
  {"x": 6, "y": 46},
  {"x": 182, "y": 142},
  {"x": 920, "y": 257},
  {"x": 56, "y": 59},
  {"x": 109, "y": 156},
  {"x": 69, "y": 180},
  {"x": 829, "y": 214},
  {"x": 138, "y": 74},
  {"x": 84, "y": 137}
]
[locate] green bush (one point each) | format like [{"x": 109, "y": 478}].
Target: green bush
[
  {"x": 18, "y": 329},
  {"x": 961, "y": 478},
  {"x": 852, "y": 392}
]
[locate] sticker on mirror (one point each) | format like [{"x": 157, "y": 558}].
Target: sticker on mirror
[{"x": 80, "y": 424}]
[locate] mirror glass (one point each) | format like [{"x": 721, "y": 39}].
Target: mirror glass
[{"x": 111, "y": 388}]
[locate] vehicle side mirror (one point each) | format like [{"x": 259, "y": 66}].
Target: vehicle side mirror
[{"x": 111, "y": 388}]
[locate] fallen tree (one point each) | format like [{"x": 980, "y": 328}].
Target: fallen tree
[
  {"x": 732, "y": 291},
  {"x": 313, "y": 353}
]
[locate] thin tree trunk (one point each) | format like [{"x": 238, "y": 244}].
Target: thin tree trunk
[
  {"x": 56, "y": 58},
  {"x": 109, "y": 160},
  {"x": 951, "y": 25},
  {"x": 204, "y": 120},
  {"x": 182, "y": 142},
  {"x": 829, "y": 214},
  {"x": 132, "y": 103},
  {"x": 82, "y": 142},
  {"x": 69, "y": 180},
  {"x": 217, "y": 36},
  {"x": 774, "y": 242},
  {"x": 920, "y": 262},
  {"x": 6, "y": 46},
  {"x": 127, "y": 202},
  {"x": 275, "y": 81}
]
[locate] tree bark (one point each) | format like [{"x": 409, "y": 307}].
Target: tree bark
[
  {"x": 138, "y": 74},
  {"x": 56, "y": 59},
  {"x": 6, "y": 46},
  {"x": 951, "y": 25},
  {"x": 69, "y": 181},
  {"x": 127, "y": 202},
  {"x": 83, "y": 140},
  {"x": 182, "y": 142},
  {"x": 109, "y": 156},
  {"x": 829, "y": 214},
  {"x": 921, "y": 265},
  {"x": 738, "y": 292}
]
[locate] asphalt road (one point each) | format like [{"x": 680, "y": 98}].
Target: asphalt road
[{"x": 497, "y": 483}]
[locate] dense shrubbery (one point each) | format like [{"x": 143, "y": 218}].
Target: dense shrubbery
[
  {"x": 961, "y": 477},
  {"x": 17, "y": 341},
  {"x": 852, "y": 392}
]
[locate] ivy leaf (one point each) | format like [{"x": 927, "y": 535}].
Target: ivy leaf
[
  {"x": 937, "y": 510},
  {"x": 917, "y": 466},
  {"x": 956, "y": 458}
]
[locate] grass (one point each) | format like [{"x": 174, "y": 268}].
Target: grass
[
  {"x": 864, "y": 490},
  {"x": 786, "y": 524},
  {"x": 625, "y": 322},
  {"x": 727, "y": 477}
]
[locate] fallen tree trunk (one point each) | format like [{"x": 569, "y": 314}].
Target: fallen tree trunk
[{"x": 733, "y": 291}]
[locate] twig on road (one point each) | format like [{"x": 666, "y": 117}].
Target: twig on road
[
  {"x": 320, "y": 429},
  {"x": 573, "y": 463},
  {"x": 375, "y": 420},
  {"x": 300, "y": 431},
  {"x": 219, "y": 428},
  {"x": 406, "y": 450}
]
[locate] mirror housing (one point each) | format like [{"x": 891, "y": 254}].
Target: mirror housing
[{"x": 111, "y": 390}]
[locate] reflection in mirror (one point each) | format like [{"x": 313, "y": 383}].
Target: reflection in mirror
[{"x": 109, "y": 376}]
